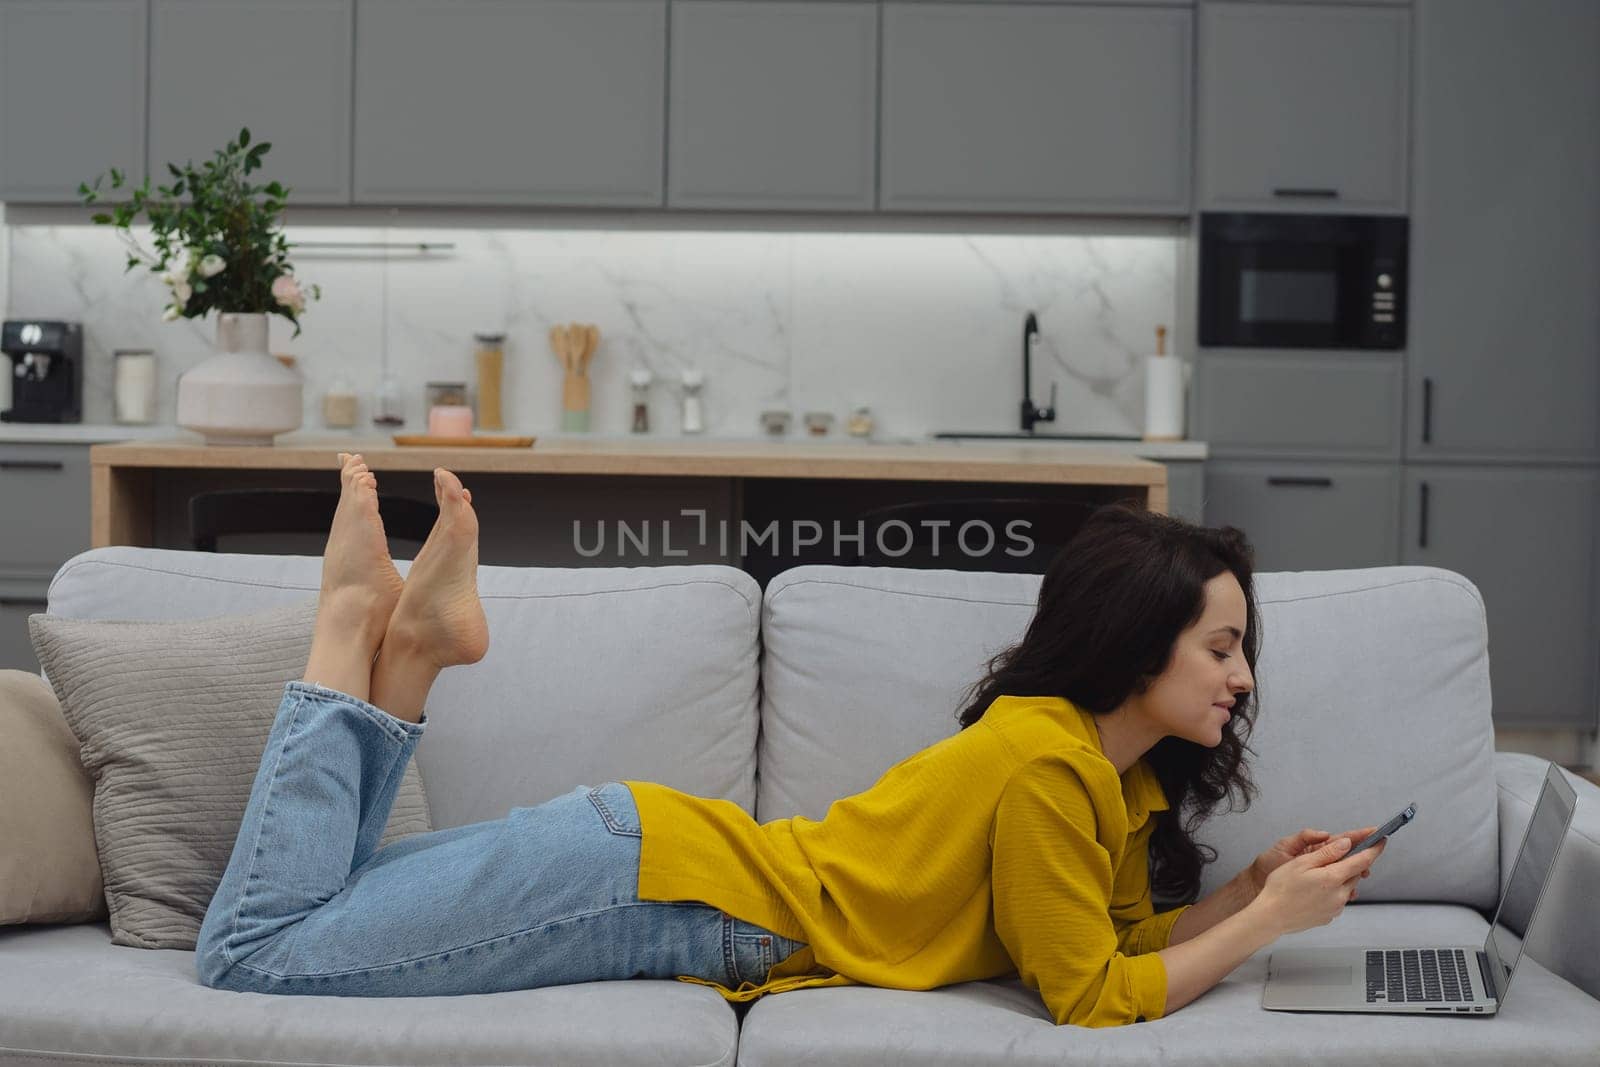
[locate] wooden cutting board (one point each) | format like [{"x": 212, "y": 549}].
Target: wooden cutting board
[{"x": 474, "y": 441}]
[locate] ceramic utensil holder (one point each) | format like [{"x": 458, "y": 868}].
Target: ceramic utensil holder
[{"x": 575, "y": 402}]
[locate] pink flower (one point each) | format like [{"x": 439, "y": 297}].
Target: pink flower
[{"x": 286, "y": 291}]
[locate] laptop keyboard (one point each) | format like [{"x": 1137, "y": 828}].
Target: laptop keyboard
[{"x": 1417, "y": 975}]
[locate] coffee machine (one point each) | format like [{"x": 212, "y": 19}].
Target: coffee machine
[{"x": 46, "y": 370}]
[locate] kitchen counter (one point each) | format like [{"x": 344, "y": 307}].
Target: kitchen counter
[
  {"x": 80, "y": 432},
  {"x": 124, "y": 475},
  {"x": 104, "y": 433}
]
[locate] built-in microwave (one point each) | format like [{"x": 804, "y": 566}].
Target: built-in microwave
[{"x": 1271, "y": 280}]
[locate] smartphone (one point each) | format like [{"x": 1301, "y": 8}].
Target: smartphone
[{"x": 1405, "y": 816}]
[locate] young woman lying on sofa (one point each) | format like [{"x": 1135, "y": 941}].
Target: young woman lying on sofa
[{"x": 1026, "y": 844}]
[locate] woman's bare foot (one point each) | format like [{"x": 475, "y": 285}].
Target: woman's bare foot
[
  {"x": 360, "y": 586},
  {"x": 439, "y": 617},
  {"x": 359, "y": 580}
]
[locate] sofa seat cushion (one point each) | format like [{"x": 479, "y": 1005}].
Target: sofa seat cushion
[
  {"x": 1546, "y": 1020},
  {"x": 70, "y": 995}
]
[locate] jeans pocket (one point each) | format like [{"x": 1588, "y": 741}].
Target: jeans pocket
[
  {"x": 614, "y": 802},
  {"x": 749, "y": 951}
]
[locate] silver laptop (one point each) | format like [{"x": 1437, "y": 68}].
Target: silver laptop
[{"x": 1468, "y": 979}]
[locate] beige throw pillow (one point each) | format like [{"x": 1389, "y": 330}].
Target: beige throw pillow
[
  {"x": 48, "y": 869},
  {"x": 172, "y": 718}
]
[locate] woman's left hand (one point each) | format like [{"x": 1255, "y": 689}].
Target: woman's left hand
[{"x": 1286, "y": 849}]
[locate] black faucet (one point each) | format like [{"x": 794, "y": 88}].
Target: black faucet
[{"x": 1031, "y": 414}]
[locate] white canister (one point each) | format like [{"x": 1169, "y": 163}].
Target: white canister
[
  {"x": 1165, "y": 379},
  {"x": 133, "y": 376}
]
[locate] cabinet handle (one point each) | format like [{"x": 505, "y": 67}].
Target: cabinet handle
[
  {"x": 1319, "y": 483},
  {"x": 1320, "y": 194},
  {"x": 8, "y": 601},
  {"x": 1427, "y": 410},
  {"x": 1422, "y": 539},
  {"x": 31, "y": 465}
]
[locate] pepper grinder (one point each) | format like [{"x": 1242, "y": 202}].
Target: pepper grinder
[
  {"x": 640, "y": 380},
  {"x": 693, "y": 380}
]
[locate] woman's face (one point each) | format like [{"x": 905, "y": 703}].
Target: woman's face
[{"x": 1208, "y": 668}]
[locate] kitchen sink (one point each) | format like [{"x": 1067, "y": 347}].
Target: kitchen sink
[{"x": 1015, "y": 435}]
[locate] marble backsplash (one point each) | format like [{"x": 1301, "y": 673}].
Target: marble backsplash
[{"x": 923, "y": 328}]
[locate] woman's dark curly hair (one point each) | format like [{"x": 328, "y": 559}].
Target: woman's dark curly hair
[{"x": 1111, "y": 607}]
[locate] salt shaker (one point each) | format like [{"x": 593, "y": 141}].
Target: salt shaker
[
  {"x": 693, "y": 418},
  {"x": 640, "y": 380}
]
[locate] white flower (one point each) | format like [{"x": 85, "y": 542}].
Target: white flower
[
  {"x": 211, "y": 265},
  {"x": 170, "y": 314},
  {"x": 181, "y": 293},
  {"x": 168, "y": 278}
]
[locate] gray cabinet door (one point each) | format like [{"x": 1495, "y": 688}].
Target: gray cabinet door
[
  {"x": 1526, "y": 538},
  {"x": 1284, "y": 403},
  {"x": 1505, "y": 240},
  {"x": 773, "y": 106},
  {"x": 1308, "y": 516},
  {"x": 1033, "y": 108},
  {"x": 218, "y": 65},
  {"x": 510, "y": 102},
  {"x": 1186, "y": 490},
  {"x": 1304, "y": 107},
  {"x": 72, "y": 97},
  {"x": 18, "y": 600},
  {"x": 53, "y": 526}
]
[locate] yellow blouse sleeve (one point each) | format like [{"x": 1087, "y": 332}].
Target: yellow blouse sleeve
[
  {"x": 1052, "y": 884},
  {"x": 1140, "y": 928}
]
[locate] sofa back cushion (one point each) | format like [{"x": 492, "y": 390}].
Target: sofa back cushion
[
  {"x": 1373, "y": 690},
  {"x": 592, "y": 675}
]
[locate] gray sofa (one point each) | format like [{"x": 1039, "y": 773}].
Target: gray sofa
[{"x": 1374, "y": 689}]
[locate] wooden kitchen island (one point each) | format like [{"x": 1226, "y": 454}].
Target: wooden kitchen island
[{"x": 533, "y": 503}]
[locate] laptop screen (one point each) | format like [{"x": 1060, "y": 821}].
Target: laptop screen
[{"x": 1535, "y": 860}]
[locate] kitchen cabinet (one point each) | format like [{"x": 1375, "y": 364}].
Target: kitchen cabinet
[
  {"x": 1526, "y": 538},
  {"x": 50, "y": 484},
  {"x": 18, "y": 600},
  {"x": 1299, "y": 403},
  {"x": 1505, "y": 238},
  {"x": 1308, "y": 516},
  {"x": 1032, "y": 108},
  {"x": 1186, "y": 490},
  {"x": 218, "y": 65},
  {"x": 1304, "y": 107},
  {"x": 72, "y": 97},
  {"x": 773, "y": 106},
  {"x": 534, "y": 102}
]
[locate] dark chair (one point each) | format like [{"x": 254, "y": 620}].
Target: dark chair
[
  {"x": 993, "y": 545},
  {"x": 220, "y": 512}
]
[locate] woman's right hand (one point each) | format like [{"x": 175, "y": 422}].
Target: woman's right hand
[{"x": 1312, "y": 889}]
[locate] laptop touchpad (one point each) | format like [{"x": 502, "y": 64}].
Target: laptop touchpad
[{"x": 1317, "y": 974}]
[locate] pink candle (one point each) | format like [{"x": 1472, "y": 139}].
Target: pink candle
[{"x": 450, "y": 420}]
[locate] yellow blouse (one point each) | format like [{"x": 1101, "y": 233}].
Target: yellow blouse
[{"x": 1011, "y": 848}]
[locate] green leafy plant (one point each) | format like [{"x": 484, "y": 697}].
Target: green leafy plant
[{"x": 218, "y": 250}]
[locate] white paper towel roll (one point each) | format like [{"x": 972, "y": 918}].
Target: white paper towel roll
[{"x": 1164, "y": 380}]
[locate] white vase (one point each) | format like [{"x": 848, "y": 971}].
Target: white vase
[{"x": 242, "y": 395}]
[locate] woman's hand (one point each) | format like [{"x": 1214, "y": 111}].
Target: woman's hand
[
  {"x": 1297, "y": 844},
  {"x": 1311, "y": 889}
]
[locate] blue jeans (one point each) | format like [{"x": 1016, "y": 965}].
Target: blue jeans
[{"x": 547, "y": 895}]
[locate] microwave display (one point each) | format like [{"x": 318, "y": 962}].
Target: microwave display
[{"x": 1272, "y": 280}]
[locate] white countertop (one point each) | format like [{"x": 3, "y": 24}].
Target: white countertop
[
  {"x": 80, "y": 433},
  {"x": 84, "y": 433}
]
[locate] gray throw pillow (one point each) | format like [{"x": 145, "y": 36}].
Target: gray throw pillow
[{"x": 171, "y": 720}]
